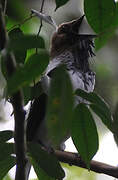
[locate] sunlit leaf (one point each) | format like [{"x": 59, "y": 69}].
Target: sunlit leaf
[
  {"x": 60, "y": 3},
  {"x": 5, "y": 135},
  {"x": 46, "y": 161},
  {"x": 32, "y": 69},
  {"x": 84, "y": 133},
  {"x": 60, "y": 105}
]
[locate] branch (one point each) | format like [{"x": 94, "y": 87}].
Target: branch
[
  {"x": 17, "y": 102},
  {"x": 98, "y": 167}
]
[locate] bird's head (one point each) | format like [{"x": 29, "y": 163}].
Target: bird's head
[{"x": 66, "y": 35}]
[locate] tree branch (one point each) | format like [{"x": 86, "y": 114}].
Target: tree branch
[
  {"x": 17, "y": 102},
  {"x": 98, "y": 167}
]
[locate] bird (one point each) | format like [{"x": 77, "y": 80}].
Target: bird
[{"x": 70, "y": 48}]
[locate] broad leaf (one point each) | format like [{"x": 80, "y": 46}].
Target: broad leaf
[
  {"x": 40, "y": 172},
  {"x": 45, "y": 161},
  {"x": 16, "y": 10},
  {"x": 20, "y": 54},
  {"x": 6, "y": 165},
  {"x": 60, "y": 105},
  {"x": 32, "y": 92},
  {"x": 60, "y": 3},
  {"x": 32, "y": 69},
  {"x": 25, "y": 42},
  {"x": 101, "y": 40},
  {"x": 100, "y": 14},
  {"x": 98, "y": 106},
  {"x": 84, "y": 133},
  {"x": 6, "y": 160},
  {"x": 5, "y": 135},
  {"x": 104, "y": 115}
]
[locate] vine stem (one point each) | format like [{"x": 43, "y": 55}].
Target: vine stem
[{"x": 41, "y": 10}]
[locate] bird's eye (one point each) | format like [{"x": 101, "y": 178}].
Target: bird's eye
[{"x": 63, "y": 29}]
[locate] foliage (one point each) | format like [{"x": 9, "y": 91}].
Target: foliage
[{"x": 78, "y": 121}]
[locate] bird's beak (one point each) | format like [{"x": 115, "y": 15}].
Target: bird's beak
[
  {"x": 75, "y": 24},
  {"x": 44, "y": 17}
]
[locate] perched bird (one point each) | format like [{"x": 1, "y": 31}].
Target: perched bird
[{"x": 72, "y": 49}]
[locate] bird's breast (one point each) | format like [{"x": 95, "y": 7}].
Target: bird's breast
[{"x": 80, "y": 80}]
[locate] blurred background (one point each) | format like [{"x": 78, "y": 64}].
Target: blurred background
[{"x": 105, "y": 65}]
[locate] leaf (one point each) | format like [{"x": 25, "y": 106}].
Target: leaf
[
  {"x": 5, "y": 135},
  {"x": 39, "y": 172},
  {"x": 59, "y": 108},
  {"x": 104, "y": 115},
  {"x": 6, "y": 160},
  {"x": 6, "y": 165},
  {"x": 25, "y": 42},
  {"x": 101, "y": 40},
  {"x": 60, "y": 3},
  {"x": 31, "y": 93},
  {"x": 100, "y": 14},
  {"x": 20, "y": 54},
  {"x": 84, "y": 133},
  {"x": 16, "y": 10},
  {"x": 7, "y": 149},
  {"x": 32, "y": 69},
  {"x": 27, "y": 94},
  {"x": 45, "y": 161},
  {"x": 98, "y": 105}
]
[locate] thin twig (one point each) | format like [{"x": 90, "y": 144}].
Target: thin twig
[
  {"x": 41, "y": 10},
  {"x": 17, "y": 102},
  {"x": 21, "y": 23},
  {"x": 98, "y": 167}
]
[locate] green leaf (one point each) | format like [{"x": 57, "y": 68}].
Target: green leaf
[
  {"x": 45, "y": 161},
  {"x": 16, "y": 10},
  {"x": 20, "y": 54},
  {"x": 25, "y": 42},
  {"x": 32, "y": 69},
  {"x": 27, "y": 94},
  {"x": 5, "y": 135},
  {"x": 100, "y": 14},
  {"x": 6, "y": 165},
  {"x": 101, "y": 40},
  {"x": 7, "y": 149},
  {"x": 60, "y": 3},
  {"x": 31, "y": 93},
  {"x": 98, "y": 105},
  {"x": 6, "y": 160},
  {"x": 36, "y": 90},
  {"x": 104, "y": 115},
  {"x": 60, "y": 105},
  {"x": 39, "y": 172},
  {"x": 84, "y": 133}
]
